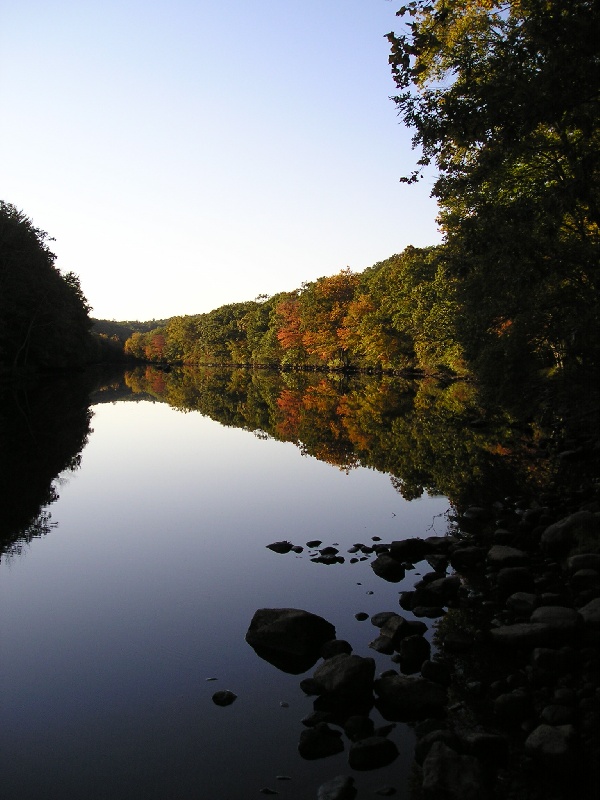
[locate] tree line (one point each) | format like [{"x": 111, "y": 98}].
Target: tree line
[{"x": 503, "y": 100}]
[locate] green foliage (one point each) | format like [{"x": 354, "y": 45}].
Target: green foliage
[
  {"x": 503, "y": 99},
  {"x": 44, "y": 318}
]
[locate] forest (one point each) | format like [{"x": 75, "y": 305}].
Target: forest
[{"x": 503, "y": 101}]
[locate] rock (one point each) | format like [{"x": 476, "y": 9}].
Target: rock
[
  {"x": 319, "y": 742},
  {"x": 552, "y": 745},
  {"x": 347, "y": 675},
  {"x": 314, "y": 543},
  {"x": 280, "y": 547},
  {"x": 466, "y": 557},
  {"x": 372, "y": 753},
  {"x": 359, "y": 727},
  {"x": 583, "y": 561},
  {"x": 290, "y": 638},
  {"x": 512, "y": 707},
  {"x": 523, "y": 635},
  {"x": 382, "y": 617},
  {"x": 562, "y": 621},
  {"x": 555, "y": 714},
  {"x": 382, "y": 644},
  {"x": 340, "y": 788},
  {"x": 585, "y": 579},
  {"x": 451, "y": 776},
  {"x": 386, "y": 567},
  {"x": 500, "y": 556},
  {"x": 410, "y": 550},
  {"x": 425, "y": 743},
  {"x": 514, "y": 579},
  {"x": 590, "y": 613},
  {"x": 335, "y": 647},
  {"x": 224, "y": 698},
  {"x": 361, "y": 616},
  {"x": 431, "y": 612},
  {"x": 406, "y": 600},
  {"x": 558, "y": 538},
  {"x": 522, "y": 603},
  {"x": 397, "y": 628},
  {"x": 405, "y": 698},
  {"x": 414, "y": 650},
  {"x": 385, "y": 791}
]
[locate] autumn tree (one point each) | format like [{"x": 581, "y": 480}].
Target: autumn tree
[{"x": 503, "y": 99}]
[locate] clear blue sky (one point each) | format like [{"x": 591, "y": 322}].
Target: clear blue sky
[{"x": 190, "y": 153}]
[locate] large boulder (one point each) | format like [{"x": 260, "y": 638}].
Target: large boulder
[
  {"x": 451, "y": 776},
  {"x": 386, "y": 567},
  {"x": 289, "y": 638},
  {"x": 345, "y": 675},
  {"x": 560, "y": 537},
  {"x": 407, "y": 698}
]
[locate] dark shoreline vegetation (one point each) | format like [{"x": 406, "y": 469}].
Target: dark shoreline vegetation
[{"x": 500, "y": 321}]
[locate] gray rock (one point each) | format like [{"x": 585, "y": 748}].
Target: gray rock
[
  {"x": 372, "y": 753},
  {"x": 523, "y": 635},
  {"x": 514, "y": 579},
  {"x": 512, "y": 706},
  {"x": 407, "y": 698},
  {"x": 397, "y": 628},
  {"x": 451, "y": 776},
  {"x": 585, "y": 579},
  {"x": 280, "y": 547},
  {"x": 340, "y": 788},
  {"x": 467, "y": 557},
  {"x": 555, "y": 714},
  {"x": 562, "y": 621},
  {"x": 383, "y": 645},
  {"x": 583, "y": 561},
  {"x": 359, "y": 727},
  {"x": 430, "y": 612},
  {"x": 320, "y": 742},
  {"x": 436, "y": 671},
  {"x": 382, "y": 617},
  {"x": 558, "y": 538},
  {"x": 386, "y": 567},
  {"x": 289, "y": 632},
  {"x": 224, "y": 698},
  {"x": 347, "y": 675},
  {"x": 425, "y": 743},
  {"x": 522, "y": 603},
  {"x": 411, "y": 550},
  {"x": 590, "y": 613},
  {"x": 500, "y": 556},
  {"x": 553, "y": 745},
  {"x": 490, "y": 748},
  {"x": 414, "y": 650},
  {"x": 335, "y": 647}
]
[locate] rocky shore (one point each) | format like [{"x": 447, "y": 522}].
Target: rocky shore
[{"x": 508, "y": 704}]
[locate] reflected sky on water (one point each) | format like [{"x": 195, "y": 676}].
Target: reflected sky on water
[{"x": 111, "y": 624}]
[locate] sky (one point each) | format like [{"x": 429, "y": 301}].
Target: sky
[{"x": 185, "y": 154}]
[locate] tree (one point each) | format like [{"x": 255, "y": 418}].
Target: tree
[
  {"x": 503, "y": 97},
  {"x": 44, "y": 316}
]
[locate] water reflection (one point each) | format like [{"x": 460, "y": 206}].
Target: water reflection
[
  {"x": 43, "y": 429},
  {"x": 427, "y": 435}
]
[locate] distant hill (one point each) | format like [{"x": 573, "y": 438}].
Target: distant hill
[{"x": 123, "y": 330}]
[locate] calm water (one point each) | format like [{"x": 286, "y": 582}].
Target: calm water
[{"x": 112, "y": 623}]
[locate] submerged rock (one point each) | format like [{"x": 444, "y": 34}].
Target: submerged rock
[
  {"x": 224, "y": 698},
  {"x": 340, "y": 788}
]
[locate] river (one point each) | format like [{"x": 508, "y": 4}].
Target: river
[{"x": 119, "y": 623}]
